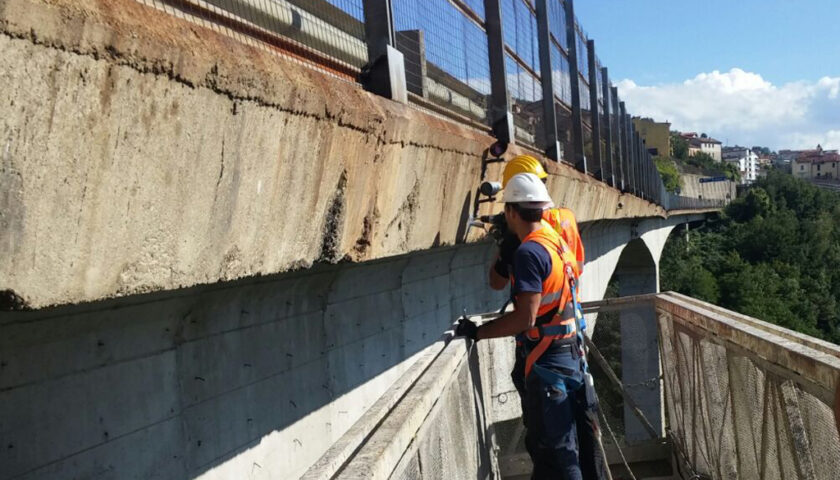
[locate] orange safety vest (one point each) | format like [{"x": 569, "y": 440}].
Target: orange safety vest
[
  {"x": 562, "y": 220},
  {"x": 556, "y": 295}
]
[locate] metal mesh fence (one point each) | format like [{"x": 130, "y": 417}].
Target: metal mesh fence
[
  {"x": 603, "y": 104},
  {"x": 522, "y": 67},
  {"x": 445, "y": 50},
  {"x": 331, "y": 31},
  {"x": 735, "y": 416}
]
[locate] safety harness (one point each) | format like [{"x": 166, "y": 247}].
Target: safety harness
[{"x": 566, "y": 324}]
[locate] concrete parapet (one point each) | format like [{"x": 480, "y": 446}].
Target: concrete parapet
[
  {"x": 721, "y": 190},
  {"x": 141, "y": 152}
]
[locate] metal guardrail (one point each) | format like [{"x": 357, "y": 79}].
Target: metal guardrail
[
  {"x": 524, "y": 68},
  {"x": 677, "y": 202}
]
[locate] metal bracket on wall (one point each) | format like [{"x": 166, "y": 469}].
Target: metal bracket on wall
[{"x": 385, "y": 72}]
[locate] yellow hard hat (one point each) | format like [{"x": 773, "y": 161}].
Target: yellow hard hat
[{"x": 522, "y": 164}]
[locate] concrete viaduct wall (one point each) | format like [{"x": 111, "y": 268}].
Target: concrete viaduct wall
[{"x": 141, "y": 152}]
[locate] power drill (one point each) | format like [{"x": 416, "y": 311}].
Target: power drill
[{"x": 498, "y": 226}]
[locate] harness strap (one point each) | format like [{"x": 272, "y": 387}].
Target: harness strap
[{"x": 546, "y": 340}]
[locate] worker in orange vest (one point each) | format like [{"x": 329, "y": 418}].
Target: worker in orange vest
[
  {"x": 546, "y": 317},
  {"x": 563, "y": 221}
]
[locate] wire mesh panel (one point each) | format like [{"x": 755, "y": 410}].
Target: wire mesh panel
[
  {"x": 445, "y": 51},
  {"x": 562, "y": 78},
  {"x": 522, "y": 66},
  {"x": 733, "y": 416},
  {"x": 557, "y": 23},
  {"x": 328, "y": 32},
  {"x": 526, "y": 96},
  {"x": 603, "y": 121}
]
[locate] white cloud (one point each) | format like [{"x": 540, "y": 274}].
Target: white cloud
[{"x": 741, "y": 107}]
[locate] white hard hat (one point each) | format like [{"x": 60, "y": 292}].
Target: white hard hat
[{"x": 528, "y": 189}]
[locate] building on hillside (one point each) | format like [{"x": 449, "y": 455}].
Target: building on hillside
[
  {"x": 817, "y": 164},
  {"x": 745, "y": 159},
  {"x": 657, "y": 135},
  {"x": 703, "y": 144},
  {"x": 784, "y": 159}
]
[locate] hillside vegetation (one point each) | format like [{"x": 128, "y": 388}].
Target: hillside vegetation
[{"x": 774, "y": 254}]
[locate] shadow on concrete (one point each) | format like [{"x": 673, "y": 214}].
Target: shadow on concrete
[
  {"x": 262, "y": 373},
  {"x": 484, "y": 428}
]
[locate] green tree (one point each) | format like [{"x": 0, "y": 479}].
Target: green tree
[
  {"x": 772, "y": 254},
  {"x": 668, "y": 171},
  {"x": 679, "y": 146}
]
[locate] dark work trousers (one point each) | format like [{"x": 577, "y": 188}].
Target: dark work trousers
[
  {"x": 591, "y": 458},
  {"x": 551, "y": 437}
]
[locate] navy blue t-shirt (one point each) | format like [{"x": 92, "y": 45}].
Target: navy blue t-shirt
[{"x": 531, "y": 266}]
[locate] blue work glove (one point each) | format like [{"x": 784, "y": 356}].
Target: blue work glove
[{"x": 466, "y": 328}]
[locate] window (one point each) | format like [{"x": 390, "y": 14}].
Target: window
[
  {"x": 801, "y": 168},
  {"x": 819, "y": 167}
]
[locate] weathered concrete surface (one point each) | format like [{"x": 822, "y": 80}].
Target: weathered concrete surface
[
  {"x": 140, "y": 152},
  {"x": 246, "y": 379},
  {"x": 691, "y": 187}
]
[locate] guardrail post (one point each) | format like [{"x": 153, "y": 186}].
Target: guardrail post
[
  {"x": 637, "y": 159},
  {"x": 385, "y": 72},
  {"x": 646, "y": 168},
  {"x": 619, "y": 138},
  {"x": 551, "y": 143},
  {"x": 651, "y": 178},
  {"x": 578, "y": 158},
  {"x": 643, "y": 171},
  {"x": 501, "y": 117},
  {"x": 597, "y": 159},
  {"x": 631, "y": 137},
  {"x": 609, "y": 159},
  {"x": 640, "y": 184},
  {"x": 625, "y": 148}
]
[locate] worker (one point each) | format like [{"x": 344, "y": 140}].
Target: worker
[
  {"x": 564, "y": 223},
  {"x": 561, "y": 219},
  {"x": 546, "y": 318}
]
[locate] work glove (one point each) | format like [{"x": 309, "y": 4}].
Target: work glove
[
  {"x": 508, "y": 247},
  {"x": 466, "y": 328}
]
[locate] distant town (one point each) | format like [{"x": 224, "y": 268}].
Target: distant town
[{"x": 683, "y": 155}]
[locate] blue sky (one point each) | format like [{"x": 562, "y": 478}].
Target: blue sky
[
  {"x": 748, "y": 71},
  {"x": 653, "y": 41}
]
